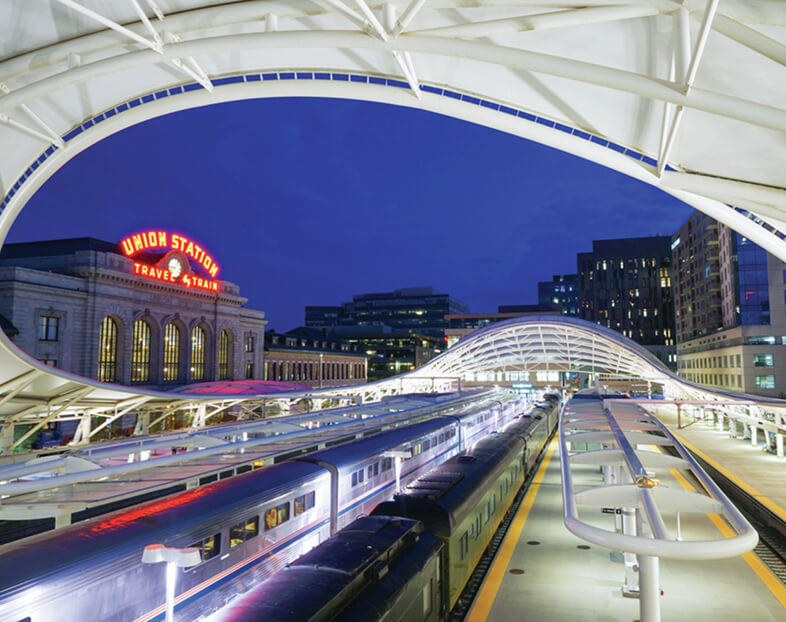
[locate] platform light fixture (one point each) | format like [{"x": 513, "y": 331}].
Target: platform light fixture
[{"x": 175, "y": 558}]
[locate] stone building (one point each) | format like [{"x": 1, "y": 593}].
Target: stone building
[
  {"x": 309, "y": 357},
  {"x": 153, "y": 315}
]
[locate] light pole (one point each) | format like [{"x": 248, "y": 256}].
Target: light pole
[{"x": 174, "y": 558}]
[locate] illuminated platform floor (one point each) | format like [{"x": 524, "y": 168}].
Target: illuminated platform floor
[
  {"x": 760, "y": 473},
  {"x": 562, "y": 582}
]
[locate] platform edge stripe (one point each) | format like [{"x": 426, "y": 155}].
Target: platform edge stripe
[
  {"x": 771, "y": 582},
  {"x": 488, "y": 591},
  {"x": 774, "y": 507}
]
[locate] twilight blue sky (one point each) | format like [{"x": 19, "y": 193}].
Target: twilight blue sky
[{"x": 307, "y": 201}]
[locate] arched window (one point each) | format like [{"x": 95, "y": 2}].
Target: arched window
[
  {"x": 171, "y": 353},
  {"x": 107, "y": 351},
  {"x": 223, "y": 355},
  {"x": 197, "y": 353},
  {"x": 140, "y": 352}
]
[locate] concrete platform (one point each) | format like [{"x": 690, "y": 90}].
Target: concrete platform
[
  {"x": 760, "y": 473},
  {"x": 562, "y": 582}
]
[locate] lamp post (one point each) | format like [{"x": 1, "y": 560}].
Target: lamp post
[{"x": 174, "y": 558}]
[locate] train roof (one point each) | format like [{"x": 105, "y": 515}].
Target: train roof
[
  {"x": 160, "y": 521},
  {"x": 352, "y": 453},
  {"x": 350, "y": 566},
  {"x": 442, "y": 497}
]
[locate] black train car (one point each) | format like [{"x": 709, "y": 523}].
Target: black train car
[{"x": 376, "y": 568}]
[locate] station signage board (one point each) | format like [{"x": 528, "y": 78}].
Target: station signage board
[{"x": 176, "y": 264}]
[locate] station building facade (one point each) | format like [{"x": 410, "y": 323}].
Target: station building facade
[
  {"x": 731, "y": 309},
  {"x": 308, "y": 357},
  {"x": 153, "y": 315}
]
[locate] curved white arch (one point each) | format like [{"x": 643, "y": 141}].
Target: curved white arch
[{"x": 696, "y": 87}]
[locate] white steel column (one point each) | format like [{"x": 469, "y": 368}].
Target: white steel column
[{"x": 649, "y": 588}]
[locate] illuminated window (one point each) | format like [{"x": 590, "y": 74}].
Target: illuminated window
[
  {"x": 243, "y": 531},
  {"x": 765, "y": 382},
  {"x": 140, "y": 352},
  {"x": 197, "y": 353},
  {"x": 47, "y": 328},
  {"x": 304, "y": 502},
  {"x": 250, "y": 371},
  {"x": 277, "y": 515},
  {"x": 249, "y": 343},
  {"x": 107, "y": 351},
  {"x": 762, "y": 360},
  {"x": 209, "y": 547},
  {"x": 223, "y": 355},
  {"x": 171, "y": 353}
]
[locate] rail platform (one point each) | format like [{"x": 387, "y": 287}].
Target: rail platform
[
  {"x": 543, "y": 572},
  {"x": 759, "y": 473}
]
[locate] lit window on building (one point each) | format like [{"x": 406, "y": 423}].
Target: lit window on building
[
  {"x": 249, "y": 343},
  {"x": 107, "y": 351},
  {"x": 765, "y": 382},
  {"x": 223, "y": 355},
  {"x": 48, "y": 328},
  {"x": 197, "y": 353},
  {"x": 140, "y": 352},
  {"x": 762, "y": 360},
  {"x": 171, "y": 371}
]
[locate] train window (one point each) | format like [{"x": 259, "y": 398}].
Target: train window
[
  {"x": 304, "y": 502},
  {"x": 355, "y": 478},
  {"x": 277, "y": 515},
  {"x": 209, "y": 547},
  {"x": 493, "y": 503},
  {"x": 486, "y": 512},
  {"x": 427, "y": 599},
  {"x": 243, "y": 531},
  {"x": 426, "y": 445},
  {"x": 370, "y": 471},
  {"x": 387, "y": 464},
  {"x": 464, "y": 545},
  {"x": 477, "y": 526},
  {"x": 360, "y": 476},
  {"x": 376, "y": 468},
  {"x": 441, "y": 438},
  {"x": 416, "y": 450}
]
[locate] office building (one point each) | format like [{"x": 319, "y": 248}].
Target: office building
[
  {"x": 625, "y": 284},
  {"x": 732, "y": 310},
  {"x": 562, "y": 290},
  {"x": 462, "y": 324},
  {"x": 149, "y": 311},
  {"x": 413, "y": 309}
]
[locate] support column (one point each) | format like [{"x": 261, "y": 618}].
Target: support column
[
  {"x": 719, "y": 423},
  {"x": 732, "y": 428},
  {"x": 649, "y": 582},
  {"x": 754, "y": 436},
  {"x": 6, "y": 437},
  {"x": 62, "y": 520},
  {"x": 630, "y": 587},
  {"x": 779, "y": 444}
]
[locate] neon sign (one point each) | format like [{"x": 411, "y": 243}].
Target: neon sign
[
  {"x": 161, "y": 239},
  {"x": 174, "y": 266}
]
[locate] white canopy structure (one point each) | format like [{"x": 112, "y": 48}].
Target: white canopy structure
[{"x": 686, "y": 96}]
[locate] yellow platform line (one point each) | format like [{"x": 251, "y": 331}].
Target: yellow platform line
[
  {"x": 770, "y": 580},
  {"x": 774, "y": 507},
  {"x": 488, "y": 591}
]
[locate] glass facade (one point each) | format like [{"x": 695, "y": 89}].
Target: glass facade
[
  {"x": 753, "y": 293},
  {"x": 140, "y": 352},
  {"x": 171, "y": 371},
  {"x": 107, "y": 351},
  {"x": 197, "y": 353}
]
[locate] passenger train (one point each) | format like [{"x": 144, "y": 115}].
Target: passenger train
[
  {"x": 246, "y": 527},
  {"x": 410, "y": 560}
]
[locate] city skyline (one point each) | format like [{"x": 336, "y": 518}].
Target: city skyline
[{"x": 345, "y": 202}]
